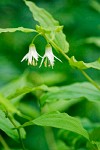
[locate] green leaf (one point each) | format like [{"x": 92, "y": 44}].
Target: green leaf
[
  {"x": 18, "y": 89},
  {"x": 95, "y": 134},
  {"x": 62, "y": 145},
  {"x": 29, "y": 111},
  {"x": 73, "y": 91},
  {"x": 8, "y": 106},
  {"x": 26, "y": 89},
  {"x": 59, "y": 105},
  {"x": 95, "y": 5},
  {"x": 15, "y": 86},
  {"x": 60, "y": 120},
  {"x": 20, "y": 92},
  {"x": 97, "y": 144},
  {"x": 16, "y": 29},
  {"x": 49, "y": 26},
  {"x": 7, "y": 127},
  {"x": 93, "y": 145},
  {"x": 93, "y": 40},
  {"x": 95, "y": 65},
  {"x": 81, "y": 65}
]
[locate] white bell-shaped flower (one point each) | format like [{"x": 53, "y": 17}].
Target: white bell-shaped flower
[
  {"x": 48, "y": 57},
  {"x": 32, "y": 56}
]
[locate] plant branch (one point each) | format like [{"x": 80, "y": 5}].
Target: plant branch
[
  {"x": 18, "y": 130},
  {"x": 90, "y": 80},
  {"x": 6, "y": 147},
  {"x": 82, "y": 71},
  {"x": 35, "y": 37},
  {"x": 59, "y": 49},
  {"x": 50, "y": 138}
]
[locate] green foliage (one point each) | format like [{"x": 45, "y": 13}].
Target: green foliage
[
  {"x": 74, "y": 91},
  {"x": 62, "y": 114},
  {"x": 60, "y": 120},
  {"x": 17, "y": 29},
  {"x": 81, "y": 65},
  {"x": 7, "y": 105},
  {"x": 7, "y": 126},
  {"x": 93, "y": 40},
  {"x": 49, "y": 27}
]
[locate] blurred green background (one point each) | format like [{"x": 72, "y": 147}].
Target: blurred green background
[{"x": 81, "y": 20}]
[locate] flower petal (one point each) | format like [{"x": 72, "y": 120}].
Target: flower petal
[
  {"x": 57, "y": 58},
  {"x": 32, "y": 56},
  {"x": 25, "y": 57},
  {"x": 42, "y": 61}
]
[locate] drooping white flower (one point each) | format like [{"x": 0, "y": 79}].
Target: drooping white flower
[
  {"x": 49, "y": 57},
  {"x": 32, "y": 56}
]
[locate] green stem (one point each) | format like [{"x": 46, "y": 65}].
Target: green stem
[
  {"x": 60, "y": 50},
  {"x": 18, "y": 130},
  {"x": 35, "y": 37},
  {"x": 50, "y": 139},
  {"x": 90, "y": 80},
  {"x": 6, "y": 147},
  {"x": 83, "y": 72}
]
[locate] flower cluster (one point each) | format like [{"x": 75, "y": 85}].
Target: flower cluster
[{"x": 48, "y": 58}]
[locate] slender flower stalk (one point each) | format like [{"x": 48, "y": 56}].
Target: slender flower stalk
[
  {"x": 32, "y": 56},
  {"x": 48, "y": 57}
]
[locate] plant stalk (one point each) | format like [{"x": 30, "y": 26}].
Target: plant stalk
[
  {"x": 50, "y": 139},
  {"x": 6, "y": 147},
  {"x": 90, "y": 80},
  {"x": 82, "y": 71},
  {"x": 18, "y": 130}
]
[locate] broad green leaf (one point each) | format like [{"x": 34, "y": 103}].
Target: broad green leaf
[
  {"x": 30, "y": 111},
  {"x": 95, "y": 134},
  {"x": 59, "y": 105},
  {"x": 62, "y": 145},
  {"x": 95, "y": 5},
  {"x": 27, "y": 89},
  {"x": 73, "y": 91},
  {"x": 13, "y": 87},
  {"x": 71, "y": 137},
  {"x": 60, "y": 120},
  {"x": 95, "y": 64},
  {"x": 8, "y": 127},
  {"x": 97, "y": 144},
  {"x": 49, "y": 26},
  {"x": 8, "y": 106},
  {"x": 20, "y": 92},
  {"x": 93, "y": 40},
  {"x": 16, "y": 29},
  {"x": 81, "y": 65},
  {"x": 20, "y": 87},
  {"x": 93, "y": 145}
]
